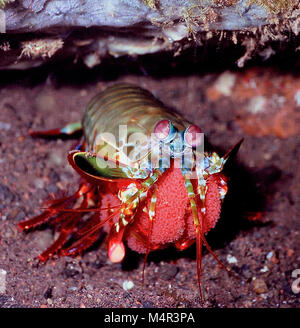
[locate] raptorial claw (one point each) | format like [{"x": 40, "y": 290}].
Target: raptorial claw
[{"x": 116, "y": 251}]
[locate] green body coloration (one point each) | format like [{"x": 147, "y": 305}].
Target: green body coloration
[{"x": 124, "y": 105}]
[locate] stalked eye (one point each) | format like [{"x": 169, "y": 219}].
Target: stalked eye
[
  {"x": 165, "y": 131},
  {"x": 193, "y": 136}
]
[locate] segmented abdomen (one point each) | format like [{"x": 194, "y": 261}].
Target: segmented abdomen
[{"x": 124, "y": 104}]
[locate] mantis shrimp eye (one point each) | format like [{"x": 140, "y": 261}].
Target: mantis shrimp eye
[
  {"x": 165, "y": 131},
  {"x": 192, "y": 136}
]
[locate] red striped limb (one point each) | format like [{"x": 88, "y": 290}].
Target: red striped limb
[
  {"x": 53, "y": 209},
  {"x": 216, "y": 257},
  {"x": 81, "y": 245},
  {"x": 85, "y": 240},
  {"x": 198, "y": 226},
  {"x": 67, "y": 221},
  {"x": 130, "y": 198},
  {"x": 88, "y": 236},
  {"x": 116, "y": 248},
  {"x": 65, "y": 231},
  {"x": 200, "y": 223},
  {"x": 68, "y": 130}
]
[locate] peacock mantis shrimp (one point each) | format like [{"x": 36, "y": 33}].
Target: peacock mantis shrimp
[{"x": 150, "y": 186}]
